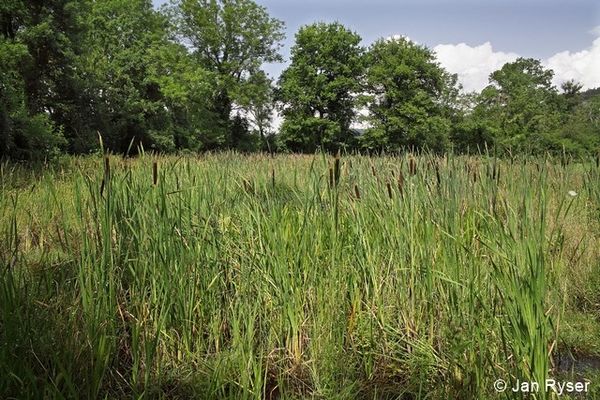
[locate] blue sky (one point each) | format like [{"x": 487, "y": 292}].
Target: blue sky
[{"x": 477, "y": 36}]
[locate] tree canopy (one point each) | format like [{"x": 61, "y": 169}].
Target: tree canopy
[
  {"x": 232, "y": 39},
  {"x": 318, "y": 90},
  {"x": 406, "y": 88},
  {"x": 191, "y": 76}
]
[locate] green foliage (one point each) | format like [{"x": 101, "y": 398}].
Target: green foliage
[
  {"x": 580, "y": 134},
  {"x": 185, "y": 87},
  {"x": 318, "y": 90},
  {"x": 406, "y": 87},
  {"x": 190, "y": 77},
  {"x": 38, "y": 46},
  {"x": 520, "y": 106},
  {"x": 231, "y": 39},
  {"x": 308, "y": 134},
  {"x": 240, "y": 277},
  {"x": 521, "y": 111},
  {"x": 256, "y": 99},
  {"x": 125, "y": 43}
]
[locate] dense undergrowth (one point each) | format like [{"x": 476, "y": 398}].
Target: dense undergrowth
[{"x": 229, "y": 276}]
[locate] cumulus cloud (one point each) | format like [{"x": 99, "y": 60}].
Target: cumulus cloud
[
  {"x": 582, "y": 66},
  {"x": 472, "y": 64}
]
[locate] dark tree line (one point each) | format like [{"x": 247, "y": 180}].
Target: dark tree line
[{"x": 189, "y": 77}]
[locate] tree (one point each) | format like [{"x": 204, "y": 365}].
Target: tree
[
  {"x": 38, "y": 46},
  {"x": 319, "y": 88},
  {"x": 145, "y": 88},
  {"x": 256, "y": 100},
  {"x": 409, "y": 97},
  {"x": 231, "y": 38},
  {"x": 185, "y": 88},
  {"x": 571, "y": 93},
  {"x": 523, "y": 104},
  {"x": 580, "y": 132}
]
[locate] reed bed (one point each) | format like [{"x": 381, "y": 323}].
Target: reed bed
[{"x": 255, "y": 277}]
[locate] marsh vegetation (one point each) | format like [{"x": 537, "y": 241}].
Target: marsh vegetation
[{"x": 229, "y": 276}]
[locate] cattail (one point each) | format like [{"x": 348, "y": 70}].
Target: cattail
[
  {"x": 437, "y": 175},
  {"x": 400, "y": 181},
  {"x": 433, "y": 164},
  {"x": 412, "y": 166},
  {"x": 106, "y": 176},
  {"x": 336, "y": 169},
  {"x": 389, "y": 189},
  {"x": 273, "y": 177},
  {"x": 248, "y": 186},
  {"x": 373, "y": 170},
  {"x": 154, "y": 172},
  {"x": 330, "y": 177},
  {"x": 498, "y": 175},
  {"x": 356, "y": 192},
  {"x": 107, "y": 167}
]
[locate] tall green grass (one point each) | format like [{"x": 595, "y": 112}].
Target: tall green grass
[{"x": 249, "y": 277}]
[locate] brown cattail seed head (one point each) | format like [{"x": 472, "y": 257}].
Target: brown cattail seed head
[
  {"x": 412, "y": 166},
  {"x": 330, "y": 177},
  {"x": 336, "y": 169},
  {"x": 400, "y": 181},
  {"x": 273, "y": 177},
  {"x": 107, "y": 167},
  {"x": 154, "y": 172}
]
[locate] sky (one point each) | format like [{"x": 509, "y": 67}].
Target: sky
[{"x": 471, "y": 38}]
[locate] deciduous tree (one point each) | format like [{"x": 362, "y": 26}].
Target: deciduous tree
[
  {"x": 409, "y": 97},
  {"x": 231, "y": 38},
  {"x": 319, "y": 89}
]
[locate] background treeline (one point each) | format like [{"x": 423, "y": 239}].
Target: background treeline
[{"x": 189, "y": 77}]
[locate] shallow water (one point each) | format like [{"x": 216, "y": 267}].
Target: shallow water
[{"x": 577, "y": 364}]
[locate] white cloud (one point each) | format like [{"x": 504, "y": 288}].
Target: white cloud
[
  {"x": 583, "y": 66},
  {"x": 472, "y": 64}
]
